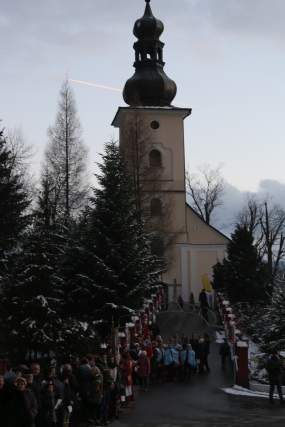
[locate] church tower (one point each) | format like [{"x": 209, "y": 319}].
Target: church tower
[{"x": 152, "y": 140}]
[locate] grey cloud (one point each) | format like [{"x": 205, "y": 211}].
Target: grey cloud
[
  {"x": 234, "y": 200},
  {"x": 275, "y": 190},
  {"x": 225, "y": 216}
]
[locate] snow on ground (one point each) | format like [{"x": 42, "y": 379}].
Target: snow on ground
[
  {"x": 254, "y": 356},
  {"x": 240, "y": 391}
]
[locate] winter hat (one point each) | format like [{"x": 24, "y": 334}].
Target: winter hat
[
  {"x": 21, "y": 380},
  {"x": 22, "y": 368}
]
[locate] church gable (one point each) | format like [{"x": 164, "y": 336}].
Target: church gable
[{"x": 201, "y": 233}]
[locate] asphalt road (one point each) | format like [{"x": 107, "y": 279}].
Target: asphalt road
[{"x": 201, "y": 402}]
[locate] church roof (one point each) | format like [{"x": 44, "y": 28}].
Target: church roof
[
  {"x": 208, "y": 225},
  {"x": 185, "y": 112}
]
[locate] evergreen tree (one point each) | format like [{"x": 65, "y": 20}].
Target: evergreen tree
[
  {"x": 34, "y": 308},
  {"x": 45, "y": 207},
  {"x": 13, "y": 199},
  {"x": 82, "y": 270},
  {"x": 111, "y": 264},
  {"x": 119, "y": 239},
  {"x": 271, "y": 329},
  {"x": 33, "y": 300},
  {"x": 244, "y": 275}
]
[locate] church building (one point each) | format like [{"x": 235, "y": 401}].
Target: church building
[{"x": 152, "y": 140}]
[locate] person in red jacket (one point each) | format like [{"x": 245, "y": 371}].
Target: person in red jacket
[{"x": 127, "y": 366}]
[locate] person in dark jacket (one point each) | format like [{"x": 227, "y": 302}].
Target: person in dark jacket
[
  {"x": 70, "y": 392},
  {"x": 194, "y": 341},
  {"x": 30, "y": 402},
  {"x": 52, "y": 377},
  {"x": 84, "y": 378},
  {"x": 95, "y": 395},
  {"x": 37, "y": 380},
  {"x": 115, "y": 388},
  {"x": 180, "y": 302},
  {"x": 50, "y": 404},
  {"x": 202, "y": 355},
  {"x": 13, "y": 407},
  {"x": 207, "y": 342},
  {"x": 155, "y": 329},
  {"x": 274, "y": 369},
  {"x": 36, "y": 387},
  {"x": 69, "y": 399},
  {"x": 204, "y": 305},
  {"x": 108, "y": 385}
]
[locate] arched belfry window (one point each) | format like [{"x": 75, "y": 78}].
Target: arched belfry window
[
  {"x": 155, "y": 207},
  {"x": 155, "y": 159}
]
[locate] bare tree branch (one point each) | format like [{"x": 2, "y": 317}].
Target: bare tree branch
[
  {"x": 267, "y": 225},
  {"x": 206, "y": 189},
  {"x": 20, "y": 159},
  {"x": 65, "y": 158}
]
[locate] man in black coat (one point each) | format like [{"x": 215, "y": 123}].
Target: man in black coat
[
  {"x": 30, "y": 402},
  {"x": 13, "y": 407},
  {"x": 274, "y": 368},
  {"x": 204, "y": 306}
]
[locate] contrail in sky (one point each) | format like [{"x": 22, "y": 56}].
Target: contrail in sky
[{"x": 82, "y": 82}]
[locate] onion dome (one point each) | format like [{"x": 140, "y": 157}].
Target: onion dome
[
  {"x": 149, "y": 86},
  {"x": 148, "y": 26}
]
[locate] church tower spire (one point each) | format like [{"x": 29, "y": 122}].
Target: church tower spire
[
  {"x": 152, "y": 143},
  {"x": 149, "y": 86}
]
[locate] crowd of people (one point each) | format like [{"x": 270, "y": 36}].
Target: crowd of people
[{"x": 92, "y": 390}]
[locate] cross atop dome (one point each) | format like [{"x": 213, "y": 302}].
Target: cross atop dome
[{"x": 149, "y": 86}]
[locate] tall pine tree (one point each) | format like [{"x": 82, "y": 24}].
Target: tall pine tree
[
  {"x": 112, "y": 264},
  {"x": 14, "y": 200},
  {"x": 119, "y": 239}
]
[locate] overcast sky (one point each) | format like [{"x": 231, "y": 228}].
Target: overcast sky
[{"x": 226, "y": 56}]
